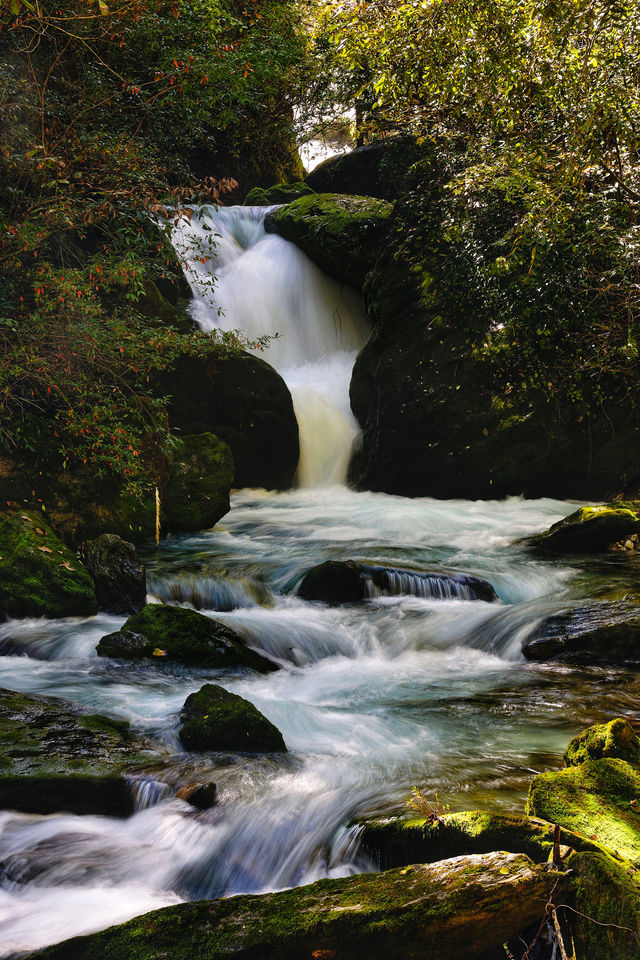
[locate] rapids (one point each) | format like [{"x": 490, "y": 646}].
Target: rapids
[{"x": 371, "y": 699}]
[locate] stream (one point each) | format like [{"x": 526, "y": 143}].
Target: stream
[{"x": 371, "y": 699}]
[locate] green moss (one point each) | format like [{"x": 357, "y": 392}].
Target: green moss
[
  {"x": 597, "y": 800},
  {"x": 281, "y": 193},
  {"x": 197, "y": 494},
  {"x": 216, "y": 720},
  {"x": 173, "y": 634},
  {"x": 607, "y": 896},
  {"x": 591, "y": 529},
  {"x": 98, "y": 723},
  {"x": 614, "y": 739},
  {"x": 39, "y": 575}
]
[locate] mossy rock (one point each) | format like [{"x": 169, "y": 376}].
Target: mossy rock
[
  {"x": 458, "y": 908},
  {"x": 397, "y": 842},
  {"x": 600, "y": 800},
  {"x": 615, "y": 739},
  {"x": 55, "y": 758},
  {"x": 280, "y": 193},
  {"x": 117, "y": 572},
  {"x": 607, "y": 898},
  {"x": 172, "y": 634},
  {"x": 591, "y": 529},
  {"x": 343, "y": 235},
  {"x": 377, "y": 169},
  {"x": 197, "y": 493},
  {"x": 602, "y": 632},
  {"x": 215, "y": 720},
  {"x": 39, "y": 575}
]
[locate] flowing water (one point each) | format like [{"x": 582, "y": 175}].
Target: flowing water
[{"x": 404, "y": 689}]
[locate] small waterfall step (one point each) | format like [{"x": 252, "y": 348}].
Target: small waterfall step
[{"x": 347, "y": 581}]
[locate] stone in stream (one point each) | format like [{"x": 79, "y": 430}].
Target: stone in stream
[
  {"x": 202, "y": 796},
  {"x": 173, "y": 634},
  {"x": 460, "y": 908},
  {"x": 197, "y": 493},
  {"x": 591, "y": 529},
  {"x": 603, "y": 632},
  {"x": 616, "y": 739},
  {"x": 117, "y": 572},
  {"x": 39, "y": 575},
  {"x": 347, "y": 581},
  {"x": 215, "y": 720},
  {"x": 54, "y": 757}
]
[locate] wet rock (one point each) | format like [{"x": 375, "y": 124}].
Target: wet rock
[
  {"x": 39, "y": 575},
  {"x": 172, "y": 634},
  {"x": 118, "y": 573},
  {"x": 615, "y": 739},
  {"x": 607, "y": 898},
  {"x": 280, "y": 193},
  {"x": 53, "y": 757},
  {"x": 202, "y": 796},
  {"x": 343, "y": 235},
  {"x": 459, "y": 908},
  {"x": 245, "y": 403},
  {"x": 602, "y": 632},
  {"x": 377, "y": 169},
  {"x": 591, "y": 529},
  {"x": 346, "y": 581},
  {"x": 215, "y": 720},
  {"x": 197, "y": 493}
]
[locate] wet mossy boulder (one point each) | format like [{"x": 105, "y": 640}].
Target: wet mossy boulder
[
  {"x": 606, "y": 925},
  {"x": 214, "y": 720},
  {"x": 172, "y": 634},
  {"x": 591, "y": 529},
  {"x": 117, "y": 572},
  {"x": 197, "y": 493},
  {"x": 246, "y": 404},
  {"x": 343, "y": 235},
  {"x": 39, "y": 575},
  {"x": 280, "y": 193},
  {"x": 348, "y": 581},
  {"x": 54, "y": 757},
  {"x": 615, "y": 739},
  {"x": 377, "y": 169},
  {"x": 599, "y": 799},
  {"x": 461, "y": 908},
  {"x": 604, "y": 632}
]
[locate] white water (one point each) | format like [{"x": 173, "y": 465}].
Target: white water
[{"x": 265, "y": 286}]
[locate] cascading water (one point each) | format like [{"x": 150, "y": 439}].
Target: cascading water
[{"x": 245, "y": 278}]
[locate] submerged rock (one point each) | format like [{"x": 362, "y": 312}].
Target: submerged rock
[
  {"x": 346, "y": 581},
  {"x": 197, "y": 493},
  {"x": 615, "y": 739},
  {"x": 591, "y": 529},
  {"x": 53, "y": 757},
  {"x": 343, "y": 235},
  {"x": 215, "y": 720},
  {"x": 459, "y": 908},
  {"x": 183, "y": 636},
  {"x": 39, "y": 575},
  {"x": 602, "y": 632},
  {"x": 118, "y": 573},
  {"x": 280, "y": 193}
]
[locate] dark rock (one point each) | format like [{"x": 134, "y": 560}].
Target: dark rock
[
  {"x": 215, "y": 720},
  {"x": 607, "y": 923},
  {"x": 343, "y": 235},
  {"x": 173, "y": 634},
  {"x": 281, "y": 193},
  {"x": 602, "y": 632},
  {"x": 614, "y": 739},
  {"x": 39, "y": 575},
  {"x": 53, "y": 758},
  {"x": 378, "y": 169},
  {"x": 202, "y": 796},
  {"x": 244, "y": 402},
  {"x": 458, "y": 908},
  {"x": 117, "y": 572},
  {"x": 591, "y": 529},
  {"x": 345, "y": 581},
  {"x": 197, "y": 493}
]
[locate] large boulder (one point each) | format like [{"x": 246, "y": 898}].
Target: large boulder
[
  {"x": 603, "y": 632},
  {"x": 39, "y": 575},
  {"x": 173, "y": 634},
  {"x": 343, "y": 235},
  {"x": 378, "y": 169},
  {"x": 592, "y": 529},
  {"x": 245, "y": 403},
  {"x": 616, "y": 738},
  {"x": 215, "y": 720},
  {"x": 197, "y": 493},
  {"x": 461, "y": 908},
  {"x": 347, "y": 581},
  {"x": 118, "y": 573},
  {"x": 54, "y": 757},
  {"x": 280, "y": 193},
  {"x": 606, "y": 925}
]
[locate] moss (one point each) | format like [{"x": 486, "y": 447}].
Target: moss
[
  {"x": 99, "y": 723},
  {"x": 39, "y": 575},
  {"x": 607, "y": 896},
  {"x": 216, "y": 720},
  {"x": 599, "y": 800},
  {"x": 197, "y": 494},
  {"x": 173, "y": 634},
  {"x": 591, "y": 529},
  {"x": 281, "y": 193},
  {"x": 614, "y": 739}
]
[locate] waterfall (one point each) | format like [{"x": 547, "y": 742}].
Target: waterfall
[{"x": 246, "y": 279}]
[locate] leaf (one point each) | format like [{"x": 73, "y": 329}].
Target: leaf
[
  {"x": 66, "y": 565},
  {"x": 45, "y": 549},
  {"x": 159, "y": 653},
  {"x": 104, "y": 9},
  {"x": 14, "y": 6}
]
